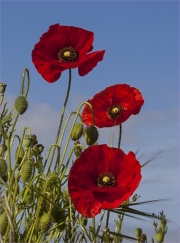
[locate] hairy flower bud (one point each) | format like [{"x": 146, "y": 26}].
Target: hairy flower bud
[
  {"x": 21, "y": 104},
  {"x": 58, "y": 215},
  {"x": 3, "y": 223},
  {"x": 26, "y": 171},
  {"x": 77, "y": 131},
  {"x": 45, "y": 222},
  {"x": 91, "y": 135}
]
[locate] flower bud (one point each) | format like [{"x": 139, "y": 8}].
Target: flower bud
[
  {"x": 138, "y": 232},
  {"x": 77, "y": 131},
  {"x": 21, "y": 104},
  {"x": 26, "y": 171},
  {"x": 3, "y": 223},
  {"x": 58, "y": 215},
  {"x": 45, "y": 222},
  {"x": 2, "y": 88},
  {"x": 91, "y": 135},
  {"x": 159, "y": 237},
  {"x": 3, "y": 167}
]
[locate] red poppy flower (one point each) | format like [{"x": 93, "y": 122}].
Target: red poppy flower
[
  {"x": 102, "y": 178},
  {"x": 113, "y": 106},
  {"x": 62, "y": 48}
]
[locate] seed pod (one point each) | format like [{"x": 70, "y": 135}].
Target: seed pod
[
  {"x": 27, "y": 141},
  {"x": 159, "y": 237},
  {"x": 2, "y": 88},
  {"x": 26, "y": 171},
  {"x": 77, "y": 131},
  {"x": 91, "y": 135},
  {"x": 3, "y": 223},
  {"x": 45, "y": 223},
  {"x": 138, "y": 232},
  {"x": 3, "y": 167},
  {"x": 21, "y": 104}
]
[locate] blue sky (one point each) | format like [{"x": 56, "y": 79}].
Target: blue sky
[{"x": 141, "y": 39}]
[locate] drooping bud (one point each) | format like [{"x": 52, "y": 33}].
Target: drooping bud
[
  {"x": 3, "y": 167},
  {"x": 21, "y": 104},
  {"x": 45, "y": 222},
  {"x": 91, "y": 135},
  {"x": 26, "y": 171},
  {"x": 58, "y": 215},
  {"x": 138, "y": 232},
  {"x": 159, "y": 237},
  {"x": 3, "y": 223},
  {"x": 77, "y": 131},
  {"x": 2, "y": 88}
]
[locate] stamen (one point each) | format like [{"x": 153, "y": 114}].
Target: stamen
[
  {"x": 68, "y": 54},
  {"x": 106, "y": 179},
  {"x": 114, "y": 111}
]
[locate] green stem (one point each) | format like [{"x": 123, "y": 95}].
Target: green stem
[
  {"x": 75, "y": 118},
  {"x": 120, "y": 135},
  {"x": 107, "y": 219},
  {"x": 62, "y": 114},
  {"x": 1, "y": 99},
  {"x": 93, "y": 228}
]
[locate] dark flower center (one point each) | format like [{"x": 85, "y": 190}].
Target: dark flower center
[
  {"x": 68, "y": 54},
  {"x": 114, "y": 111},
  {"x": 106, "y": 179}
]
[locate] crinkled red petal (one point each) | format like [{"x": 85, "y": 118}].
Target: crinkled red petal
[
  {"x": 121, "y": 94},
  {"x": 90, "y": 61},
  {"x": 87, "y": 197}
]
